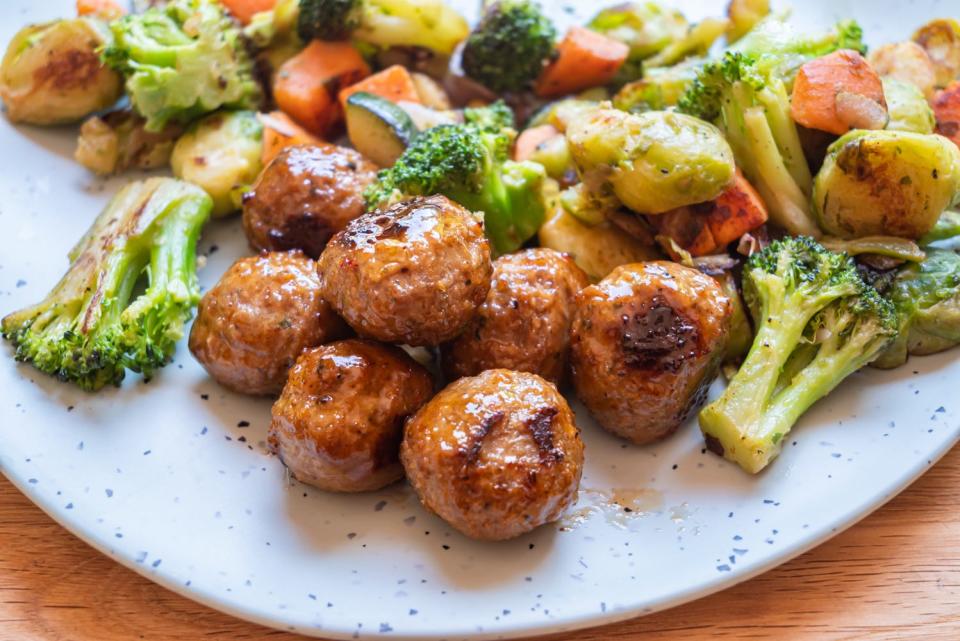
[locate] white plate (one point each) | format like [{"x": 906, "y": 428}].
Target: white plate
[{"x": 170, "y": 480}]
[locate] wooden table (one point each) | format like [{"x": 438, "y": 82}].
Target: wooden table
[{"x": 896, "y": 575}]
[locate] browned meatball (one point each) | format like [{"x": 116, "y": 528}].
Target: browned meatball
[
  {"x": 253, "y": 324},
  {"x": 304, "y": 196},
  {"x": 646, "y": 343},
  {"x": 524, "y": 324},
  {"x": 495, "y": 455},
  {"x": 412, "y": 274},
  {"x": 339, "y": 421}
]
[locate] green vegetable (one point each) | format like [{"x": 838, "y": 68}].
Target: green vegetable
[
  {"x": 752, "y": 108},
  {"x": 889, "y": 183},
  {"x": 908, "y": 109},
  {"x": 469, "y": 163},
  {"x": 890, "y": 246},
  {"x": 51, "y": 73},
  {"x": 554, "y": 155},
  {"x": 652, "y": 162},
  {"x": 697, "y": 40},
  {"x": 509, "y": 48},
  {"x": 816, "y": 323},
  {"x": 660, "y": 88},
  {"x": 90, "y": 328},
  {"x": 182, "y": 61},
  {"x": 646, "y": 27},
  {"x": 947, "y": 226},
  {"x": 926, "y": 296},
  {"x": 378, "y": 128},
  {"x": 221, "y": 154},
  {"x": 429, "y": 24}
]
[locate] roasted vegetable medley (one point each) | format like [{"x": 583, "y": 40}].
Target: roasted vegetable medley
[{"x": 449, "y": 222}]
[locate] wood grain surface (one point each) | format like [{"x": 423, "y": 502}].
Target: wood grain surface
[{"x": 895, "y": 575}]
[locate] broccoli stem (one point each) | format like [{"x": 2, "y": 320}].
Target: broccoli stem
[{"x": 775, "y": 102}]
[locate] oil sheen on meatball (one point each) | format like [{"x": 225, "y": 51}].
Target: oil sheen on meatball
[
  {"x": 253, "y": 324},
  {"x": 339, "y": 421},
  {"x": 304, "y": 196},
  {"x": 413, "y": 274},
  {"x": 645, "y": 345},
  {"x": 524, "y": 323},
  {"x": 495, "y": 455}
]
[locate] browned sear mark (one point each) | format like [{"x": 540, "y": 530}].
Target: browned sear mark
[
  {"x": 541, "y": 429},
  {"x": 476, "y": 438},
  {"x": 658, "y": 338}
]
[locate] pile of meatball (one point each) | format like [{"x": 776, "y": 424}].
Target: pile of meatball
[{"x": 320, "y": 314}]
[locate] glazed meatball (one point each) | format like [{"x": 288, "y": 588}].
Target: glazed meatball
[
  {"x": 524, "y": 324},
  {"x": 304, "y": 196},
  {"x": 253, "y": 324},
  {"x": 495, "y": 455},
  {"x": 645, "y": 345},
  {"x": 339, "y": 421},
  {"x": 412, "y": 274}
]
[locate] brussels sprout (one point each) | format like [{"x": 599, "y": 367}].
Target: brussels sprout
[
  {"x": 941, "y": 40},
  {"x": 52, "y": 73},
  {"x": 907, "y": 108},
  {"x": 559, "y": 113},
  {"x": 927, "y": 298},
  {"x": 596, "y": 249},
  {"x": 221, "y": 154},
  {"x": 646, "y": 27},
  {"x": 695, "y": 42},
  {"x": 118, "y": 141},
  {"x": 661, "y": 87},
  {"x": 886, "y": 183},
  {"x": 554, "y": 155},
  {"x": 653, "y": 162}
]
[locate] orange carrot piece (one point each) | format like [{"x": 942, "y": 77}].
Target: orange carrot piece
[
  {"x": 737, "y": 211},
  {"x": 280, "y": 132},
  {"x": 584, "y": 59},
  {"x": 946, "y": 107},
  {"x": 688, "y": 228},
  {"x": 106, "y": 9},
  {"x": 244, "y": 10},
  {"x": 306, "y": 85},
  {"x": 393, "y": 83},
  {"x": 530, "y": 139},
  {"x": 822, "y": 81}
]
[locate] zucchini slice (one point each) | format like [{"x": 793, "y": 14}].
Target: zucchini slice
[{"x": 378, "y": 128}]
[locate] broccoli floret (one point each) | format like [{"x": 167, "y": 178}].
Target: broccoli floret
[
  {"x": 509, "y": 48},
  {"x": 329, "y": 19},
  {"x": 753, "y": 110},
  {"x": 182, "y": 61},
  {"x": 469, "y": 164},
  {"x": 430, "y": 24},
  {"x": 88, "y": 330},
  {"x": 816, "y": 323}
]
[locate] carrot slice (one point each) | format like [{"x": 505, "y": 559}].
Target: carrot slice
[
  {"x": 106, "y": 9},
  {"x": 280, "y": 132},
  {"x": 842, "y": 78},
  {"x": 530, "y": 139},
  {"x": 306, "y": 85},
  {"x": 735, "y": 212},
  {"x": 584, "y": 59},
  {"x": 946, "y": 107},
  {"x": 393, "y": 83},
  {"x": 244, "y": 10}
]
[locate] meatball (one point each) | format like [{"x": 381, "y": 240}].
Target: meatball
[
  {"x": 495, "y": 455},
  {"x": 253, "y": 324},
  {"x": 645, "y": 345},
  {"x": 524, "y": 324},
  {"x": 339, "y": 421},
  {"x": 413, "y": 274},
  {"x": 304, "y": 196}
]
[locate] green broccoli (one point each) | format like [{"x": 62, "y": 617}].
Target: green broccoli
[
  {"x": 88, "y": 330},
  {"x": 430, "y": 24},
  {"x": 926, "y": 295},
  {"x": 509, "y": 48},
  {"x": 182, "y": 61},
  {"x": 753, "y": 110},
  {"x": 469, "y": 163},
  {"x": 816, "y": 323}
]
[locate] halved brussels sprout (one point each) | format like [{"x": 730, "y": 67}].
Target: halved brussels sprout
[
  {"x": 654, "y": 161},
  {"x": 886, "y": 183},
  {"x": 52, "y": 74},
  {"x": 907, "y": 108},
  {"x": 221, "y": 154}
]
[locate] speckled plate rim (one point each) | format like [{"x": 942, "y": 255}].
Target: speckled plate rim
[{"x": 815, "y": 537}]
